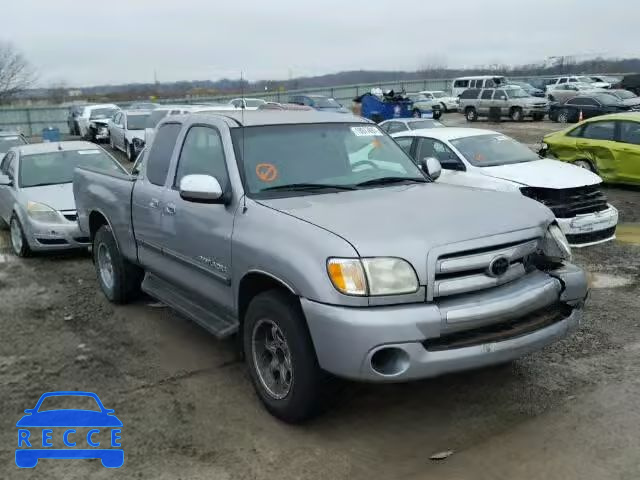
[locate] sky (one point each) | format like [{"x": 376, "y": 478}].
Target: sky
[{"x": 81, "y": 43}]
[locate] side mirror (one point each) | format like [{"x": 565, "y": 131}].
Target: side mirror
[
  {"x": 5, "y": 181},
  {"x": 431, "y": 166},
  {"x": 200, "y": 188}
]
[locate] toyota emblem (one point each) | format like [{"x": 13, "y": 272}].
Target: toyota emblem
[{"x": 498, "y": 266}]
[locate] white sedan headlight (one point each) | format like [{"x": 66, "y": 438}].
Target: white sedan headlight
[
  {"x": 372, "y": 276},
  {"x": 43, "y": 213},
  {"x": 555, "y": 244}
]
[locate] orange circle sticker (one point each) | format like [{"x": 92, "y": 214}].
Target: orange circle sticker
[{"x": 267, "y": 172}]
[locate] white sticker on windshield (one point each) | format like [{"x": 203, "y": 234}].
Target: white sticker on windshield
[
  {"x": 366, "y": 132},
  {"x": 8, "y": 138},
  {"x": 88, "y": 152},
  {"x": 501, "y": 138}
]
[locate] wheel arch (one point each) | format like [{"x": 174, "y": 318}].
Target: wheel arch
[{"x": 252, "y": 284}]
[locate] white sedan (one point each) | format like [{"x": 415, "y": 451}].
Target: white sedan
[
  {"x": 447, "y": 102},
  {"x": 490, "y": 160}
]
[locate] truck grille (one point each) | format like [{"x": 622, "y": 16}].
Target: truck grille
[
  {"x": 569, "y": 202},
  {"x": 474, "y": 270}
]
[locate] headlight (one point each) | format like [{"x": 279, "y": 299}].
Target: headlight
[
  {"x": 372, "y": 276},
  {"x": 43, "y": 213},
  {"x": 555, "y": 244}
]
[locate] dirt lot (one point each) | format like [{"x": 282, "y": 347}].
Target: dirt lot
[{"x": 189, "y": 412}]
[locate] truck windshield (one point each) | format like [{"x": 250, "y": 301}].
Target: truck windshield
[
  {"x": 57, "y": 167},
  {"x": 516, "y": 93},
  {"x": 493, "y": 150},
  {"x": 279, "y": 159}
]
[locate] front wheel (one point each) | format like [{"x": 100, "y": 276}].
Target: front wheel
[
  {"x": 281, "y": 358},
  {"x": 471, "y": 114},
  {"x": 119, "y": 279},
  {"x": 586, "y": 164},
  {"x": 19, "y": 242},
  {"x": 517, "y": 115}
]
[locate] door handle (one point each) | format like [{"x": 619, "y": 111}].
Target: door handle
[
  {"x": 154, "y": 203},
  {"x": 170, "y": 209}
]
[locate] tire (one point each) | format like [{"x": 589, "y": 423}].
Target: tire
[
  {"x": 516, "y": 114},
  {"x": 437, "y": 114},
  {"x": 19, "y": 243},
  {"x": 119, "y": 279},
  {"x": 416, "y": 113},
  {"x": 552, "y": 98},
  {"x": 443, "y": 108},
  {"x": 471, "y": 114},
  {"x": 308, "y": 385},
  {"x": 586, "y": 164},
  {"x": 131, "y": 154},
  {"x": 563, "y": 116}
]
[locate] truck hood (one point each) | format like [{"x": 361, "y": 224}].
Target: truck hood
[
  {"x": 58, "y": 197},
  {"x": 544, "y": 173},
  {"x": 408, "y": 220},
  {"x": 534, "y": 100}
]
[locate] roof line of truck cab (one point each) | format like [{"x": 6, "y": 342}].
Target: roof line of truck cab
[{"x": 282, "y": 117}]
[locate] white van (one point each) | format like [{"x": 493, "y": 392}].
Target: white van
[{"x": 481, "y": 81}]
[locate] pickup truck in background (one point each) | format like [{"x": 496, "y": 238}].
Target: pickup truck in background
[{"x": 299, "y": 232}]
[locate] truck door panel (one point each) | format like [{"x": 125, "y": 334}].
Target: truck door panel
[
  {"x": 197, "y": 236},
  {"x": 148, "y": 198}
]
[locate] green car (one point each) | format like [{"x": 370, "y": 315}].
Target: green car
[{"x": 608, "y": 145}]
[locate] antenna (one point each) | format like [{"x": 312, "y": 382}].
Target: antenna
[{"x": 244, "y": 197}]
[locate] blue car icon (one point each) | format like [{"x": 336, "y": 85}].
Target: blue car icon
[{"x": 27, "y": 456}]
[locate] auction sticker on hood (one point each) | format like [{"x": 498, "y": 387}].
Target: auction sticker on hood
[
  {"x": 88, "y": 152},
  {"x": 366, "y": 131}
]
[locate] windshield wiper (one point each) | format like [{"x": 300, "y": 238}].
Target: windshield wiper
[
  {"x": 390, "y": 180},
  {"x": 307, "y": 187}
]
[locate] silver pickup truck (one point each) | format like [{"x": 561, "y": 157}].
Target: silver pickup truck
[{"x": 316, "y": 239}]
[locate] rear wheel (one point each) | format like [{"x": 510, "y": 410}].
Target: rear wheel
[
  {"x": 19, "y": 242},
  {"x": 443, "y": 108},
  {"x": 563, "y": 116},
  {"x": 471, "y": 114},
  {"x": 119, "y": 279},
  {"x": 281, "y": 358}
]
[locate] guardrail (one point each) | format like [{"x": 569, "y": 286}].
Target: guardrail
[{"x": 31, "y": 120}]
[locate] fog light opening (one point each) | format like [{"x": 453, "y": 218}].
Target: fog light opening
[{"x": 390, "y": 361}]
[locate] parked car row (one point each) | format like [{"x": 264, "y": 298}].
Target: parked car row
[{"x": 355, "y": 282}]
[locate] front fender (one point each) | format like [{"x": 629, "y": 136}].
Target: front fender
[{"x": 290, "y": 250}]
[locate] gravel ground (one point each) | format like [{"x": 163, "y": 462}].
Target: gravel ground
[{"x": 188, "y": 409}]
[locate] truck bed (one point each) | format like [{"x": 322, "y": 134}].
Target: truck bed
[{"x": 108, "y": 195}]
